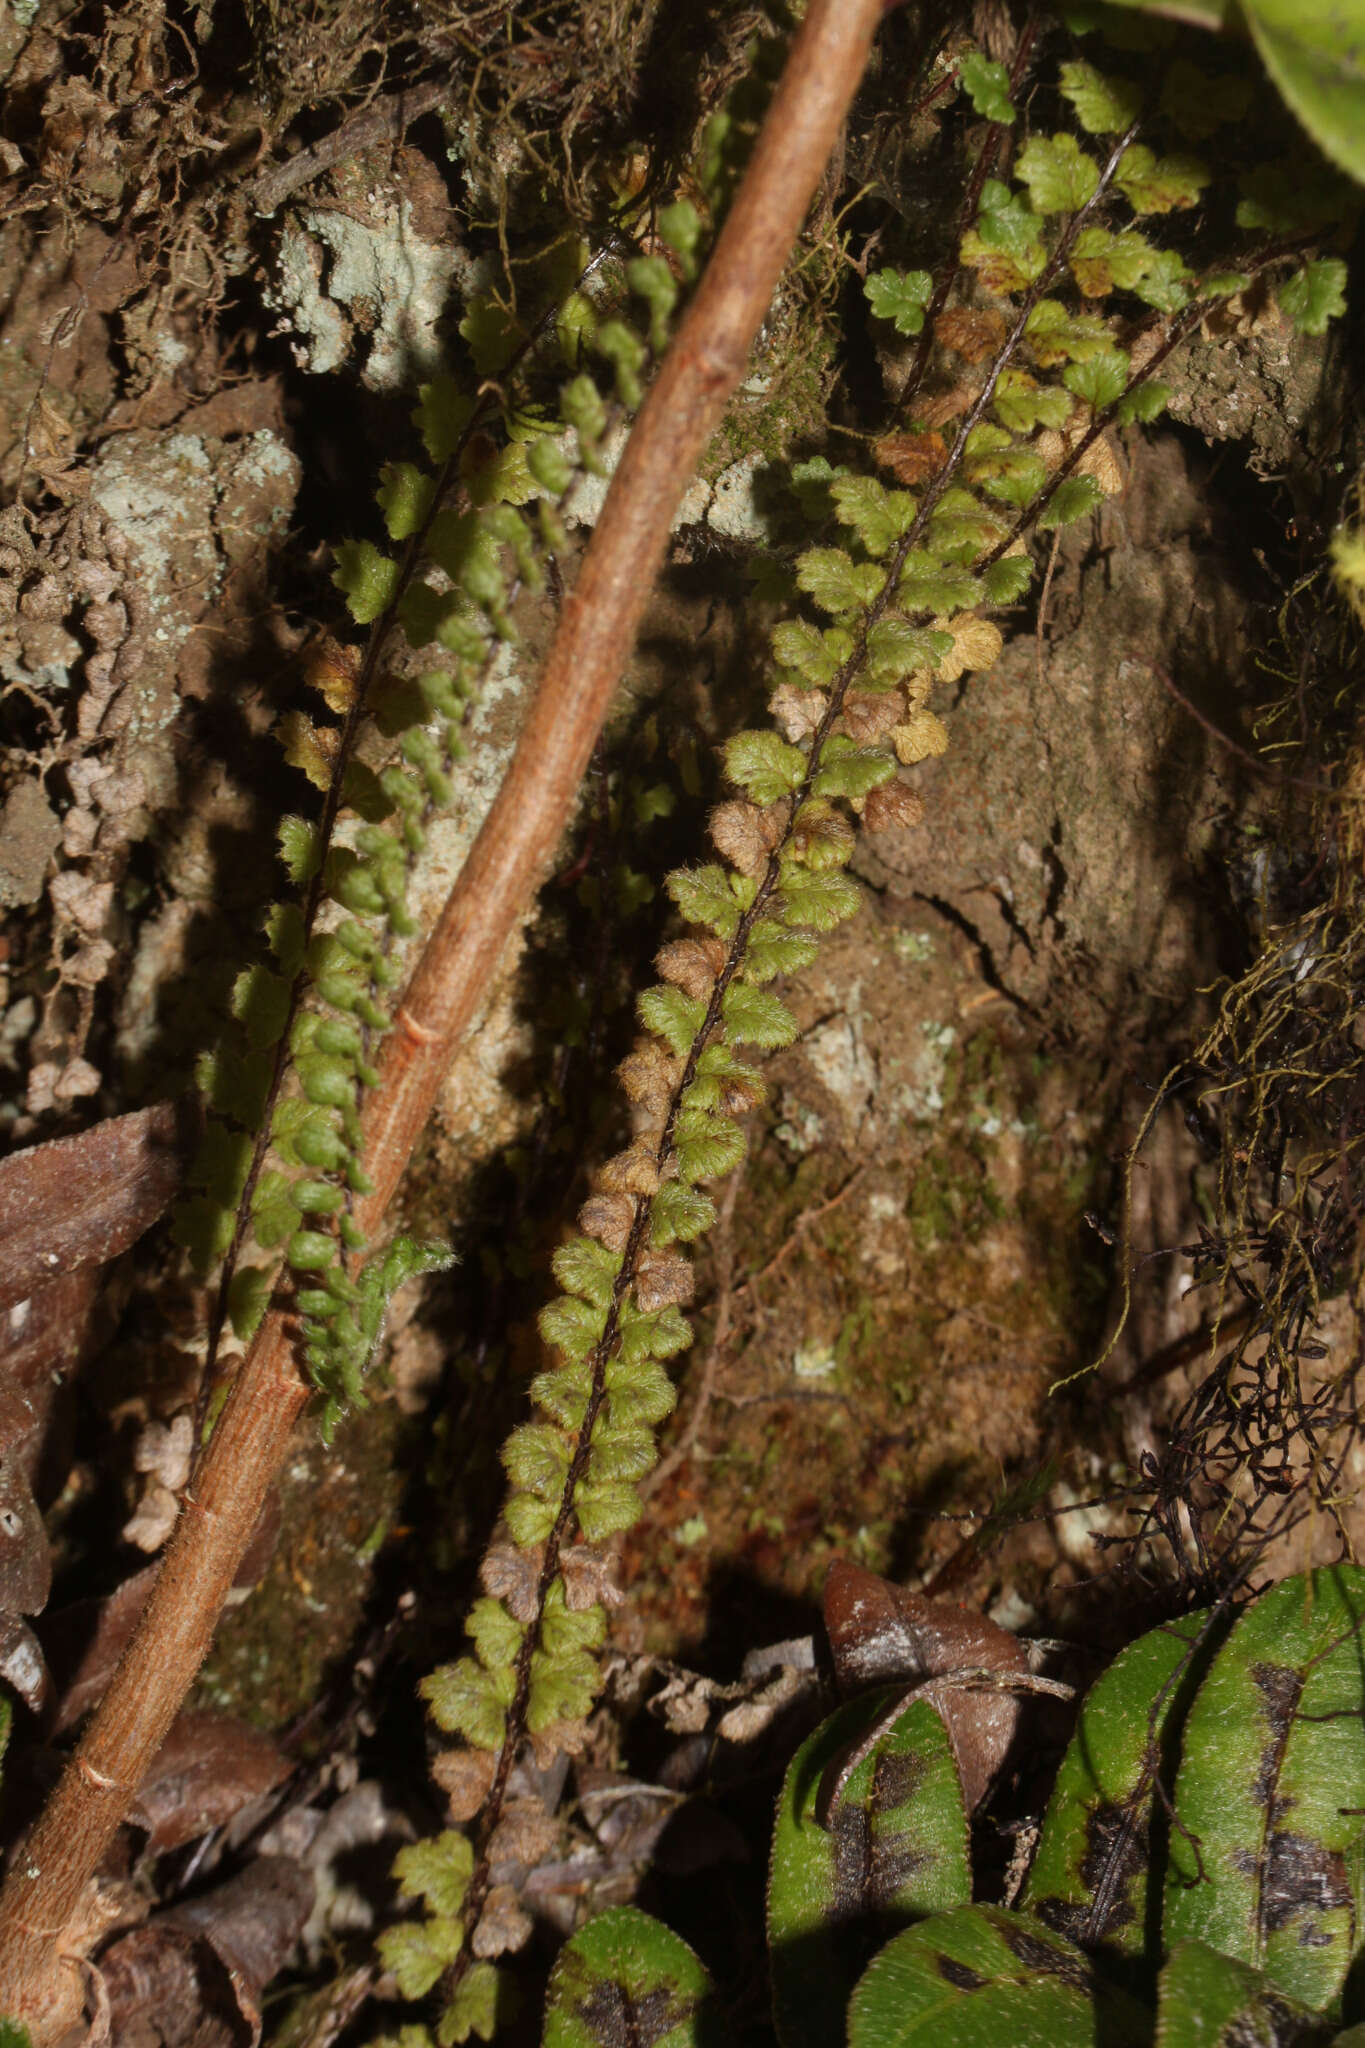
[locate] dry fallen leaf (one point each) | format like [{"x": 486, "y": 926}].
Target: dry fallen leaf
[
  {"x": 881, "y": 1634},
  {"x": 80, "y": 1201}
]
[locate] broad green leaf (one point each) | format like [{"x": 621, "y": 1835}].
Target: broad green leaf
[
  {"x": 980, "y": 1977},
  {"x": 626, "y": 1977},
  {"x": 1089, "y": 1875},
  {"x": 1208, "y": 1998},
  {"x": 1272, "y": 1764},
  {"x": 895, "y": 1849},
  {"x": 1314, "y": 51}
]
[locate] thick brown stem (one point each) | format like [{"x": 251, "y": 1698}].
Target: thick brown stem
[{"x": 44, "y": 1888}]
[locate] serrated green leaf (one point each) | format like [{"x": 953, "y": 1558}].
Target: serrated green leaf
[
  {"x": 467, "y": 1700},
  {"x": 926, "y": 585},
  {"x": 260, "y": 1003},
  {"x": 495, "y": 1635},
  {"x": 1315, "y": 295},
  {"x": 299, "y": 849},
  {"x": 477, "y": 2007},
  {"x": 1006, "y": 580},
  {"x": 537, "y": 1459},
  {"x": 708, "y": 1146},
  {"x": 820, "y": 899},
  {"x": 587, "y": 1269},
  {"x": 753, "y": 1016},
  {"x": 836, "y": 582},
  {"x": 491, "y": 333},
  {"x": 894, "y": 1848},
  {"x": 1153, "y": 184},
  {"x": 1012, "y": 475},
  {"x": 900, "y": 296},
  {"x": 1145, "y": 402},
  {"x": 675, "y": 1017},
  {"x": 572, "y": 1326},
  {"x": 274, "y": 1212},
  {"x": 418, "y": 1952},
  {"x": 624, "y": 1976},
  {"x": 812, "y": 655},
  {"x": 1058, "y": 336},
  {"x": 1073, "y": 498},
  {"x": 605, "y": 1508},
  {"x": 248, "y": 1297},
  {"x": 764, "y": 766},
  {"x": 706, "y": 896},
  {"x": 772, "y": 950},
  {"x": 1100, "y": 380},
  {"x": 1165, "y": 281},
  {"x": 1022, "y": 403},
  {"x": 987, "y": 86},
  {"x": 1059, "y": 175},
  {"x": 648, "y": 1333},
  {"x": 1104, "y": 106},
  {"x": 404, "y": 497},
  {"x": 366, "y": 578},
  {"x": 641, "y": 1391},
  {"x": 437, "y": 1870},
  {"x": 443, "y": 412},
  {"x": 1005, "y": 247},
  {"x": 679, "y": 1215},
  {"x": 877, "y": 515},
  {"x": 850, "y": 771}
]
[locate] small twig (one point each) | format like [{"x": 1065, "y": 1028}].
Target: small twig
[{"x": 384, "y": 120}]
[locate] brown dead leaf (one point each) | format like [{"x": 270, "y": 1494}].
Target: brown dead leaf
[
  {"x": 511, "y": 1574},
  {"x": 209, "y": 1766},
  {"x": 869, "y": 715},
  {"x": 974, "y": 333},
  {"x": 912, "y": 458},
  {"x": 464, "y": 1775},
  {"x": 195, "y": 1975},
  {"x": 892, "y": 807},
  {"x": 881, "y": 1634},
  {"x": 80, "y": 1201}
]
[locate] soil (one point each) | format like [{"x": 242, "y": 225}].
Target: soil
[{"x": 206, "y": 356}]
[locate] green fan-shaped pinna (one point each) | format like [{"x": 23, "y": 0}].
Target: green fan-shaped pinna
[{"x": 1199, "y": 1877}]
